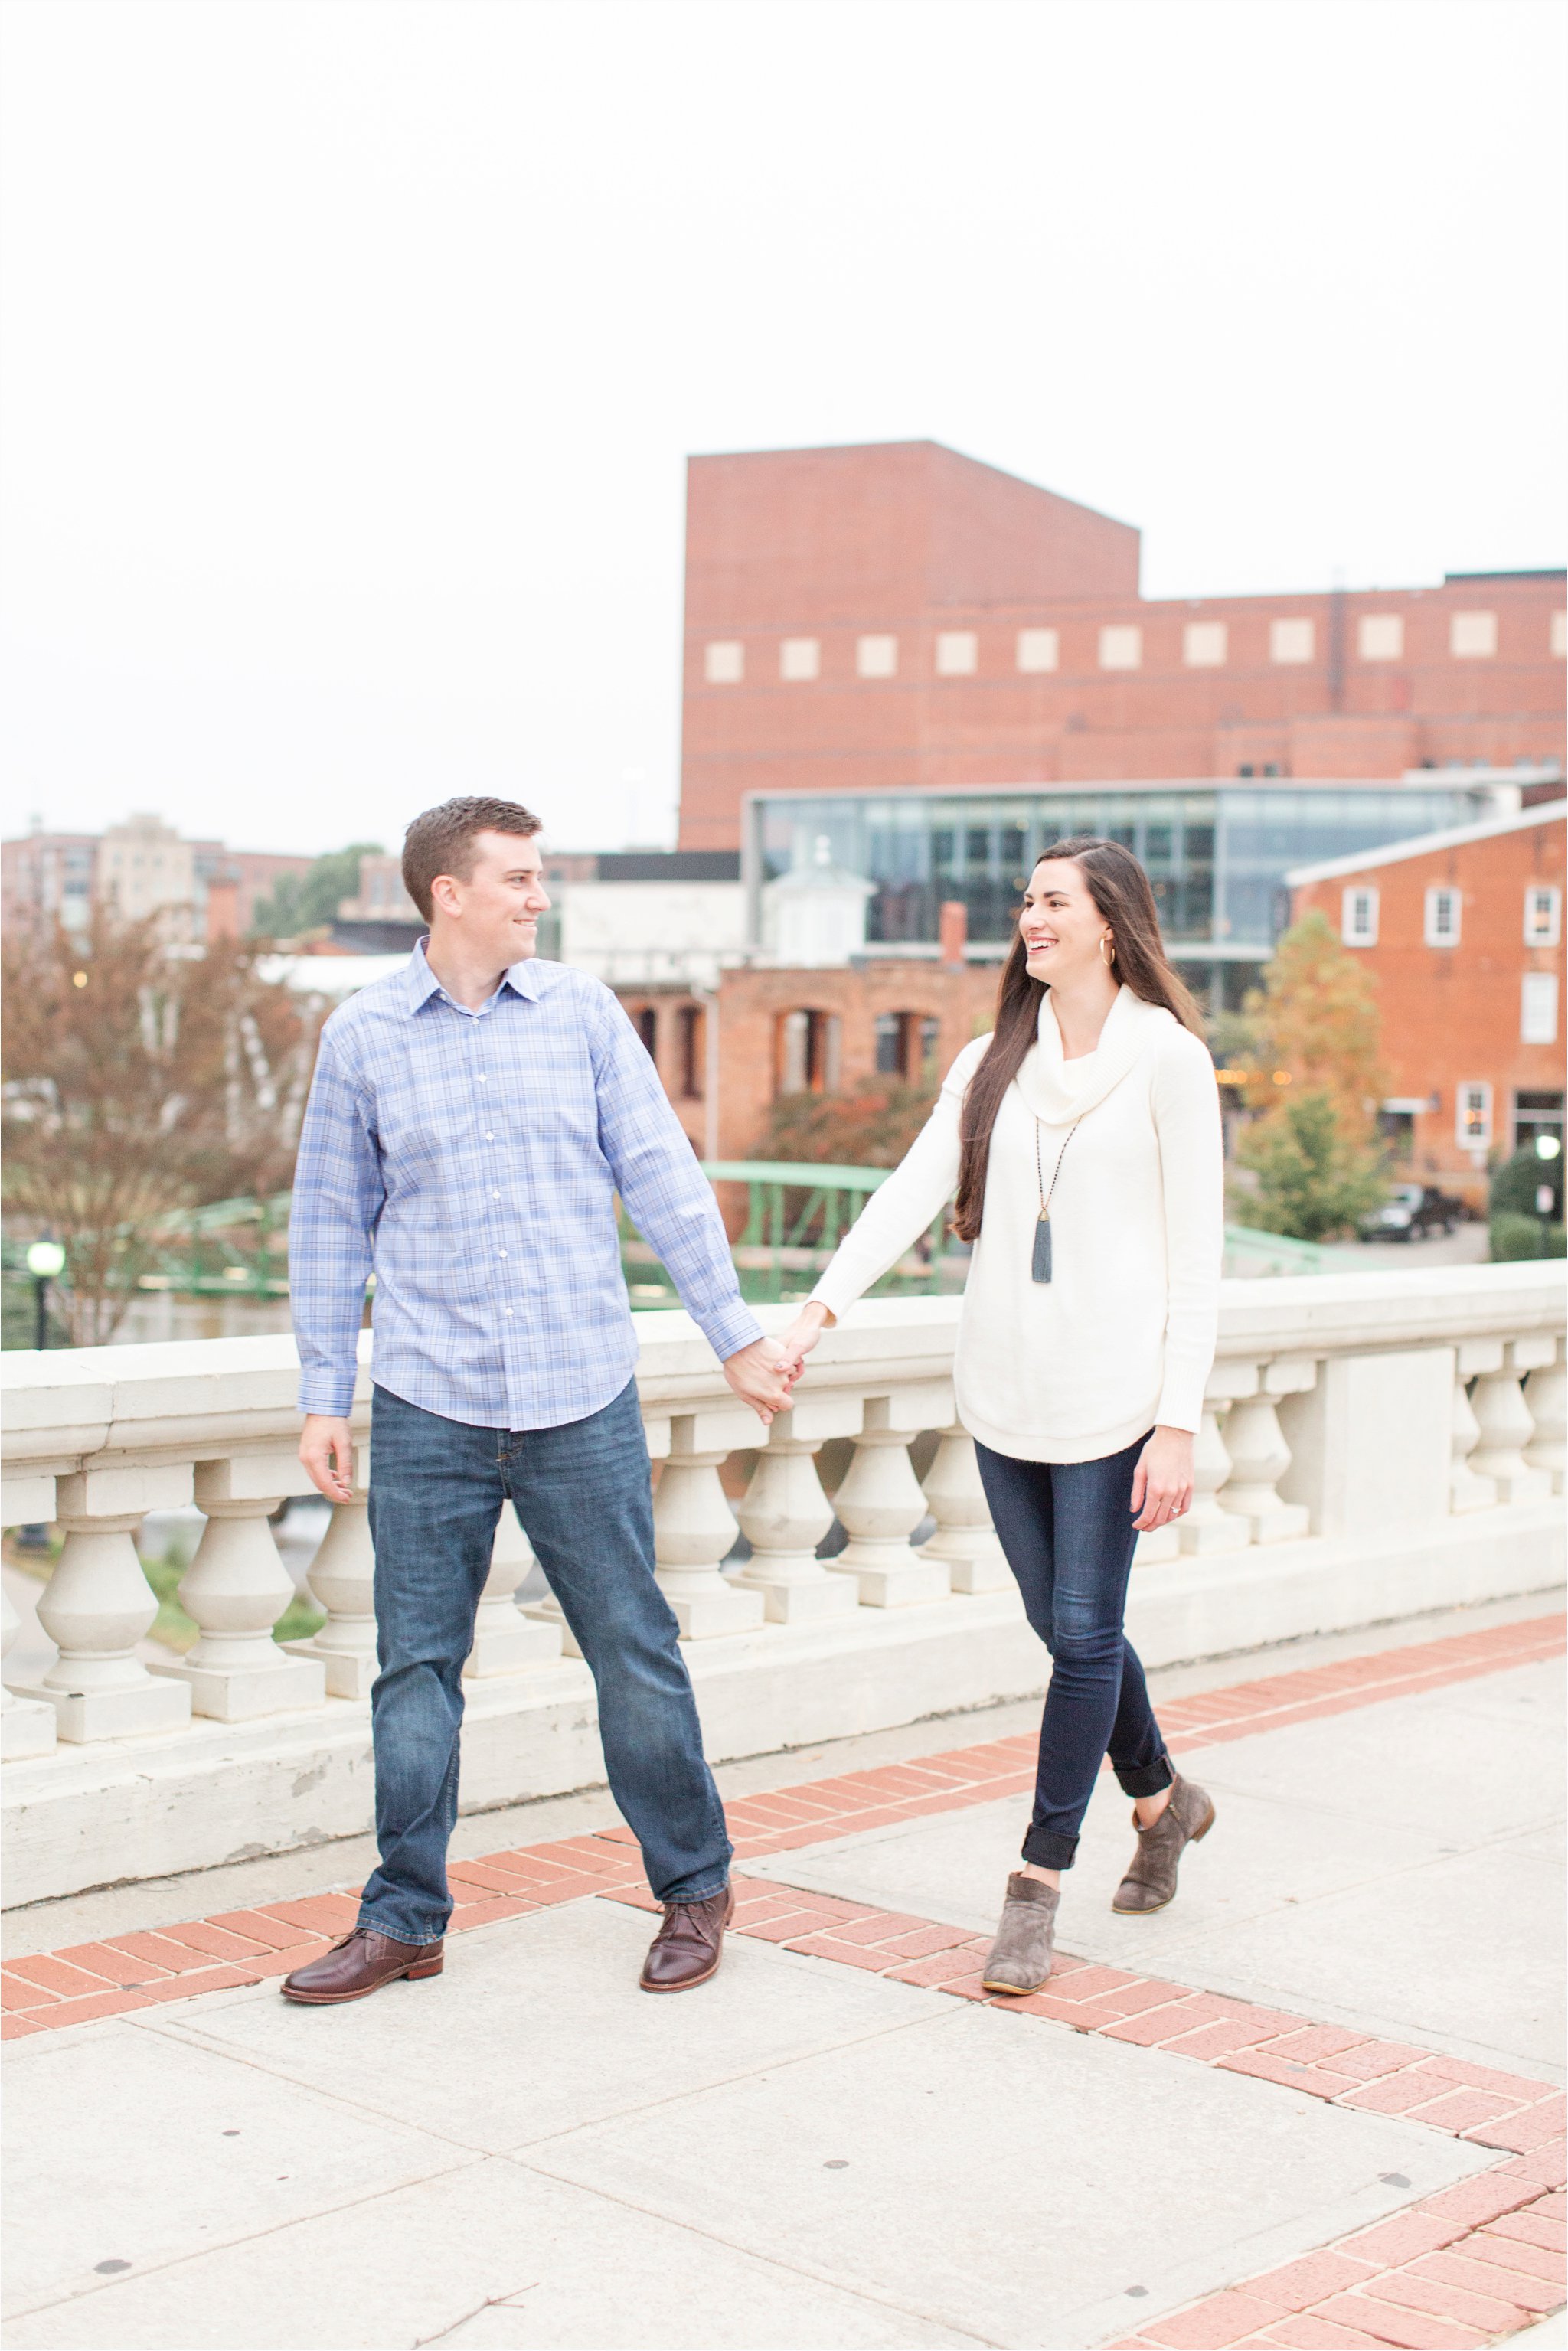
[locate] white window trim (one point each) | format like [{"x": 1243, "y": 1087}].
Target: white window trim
[
  {"x": 1348, "y": 931},
  {"x": 1122, "y": 645},
  {"x": 1038, "y": 652},
  {"x": 876, "y": 655},
  {"x": 724, "y": 661},
  {"x": 800, "y": 659},
  {"x": 1205, "y": 644},
  {"x": 957, "y": 653},
  {"x": 1482, "y": 1088},
  {"x": 1538, "y": 988},
  {"x": 1431, "y": 929},
  {"x": 1299, "y": 632},
  {"x": 1487, "y": 631},
  {"x": 1368, "y": 629},
  {"x": 1550, "y": 936}
]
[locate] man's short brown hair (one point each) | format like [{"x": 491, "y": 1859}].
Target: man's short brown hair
[{"x": 442, "y": 842}]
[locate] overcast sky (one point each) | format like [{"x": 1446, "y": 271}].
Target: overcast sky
[{"x": 355, "y": 346}]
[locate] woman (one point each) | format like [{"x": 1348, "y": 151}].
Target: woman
[{"x": 1083, "y": 1141}]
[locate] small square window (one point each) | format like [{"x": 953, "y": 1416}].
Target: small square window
[
  {"x": 1291, "y": 641},
  {"x": 957, "y": 653},
  {"x": 1472, "y": 636},
  {"x": 1380, "y": 636},
  {"x": 1560, "y": 634},
  {"x": 1538, "y": 1009},
  {"x": 1204, "y": 644},
  {"x": 1039, "y": 650},
  {"x": 1444, "y": 914},
  {"x": 1121, "y": 648},
  {"x": 1472, "y": 1115},
  {"x": 724, "y": 662},
  {"x": 876, "y": 657},
  {"x": 800, "y": 657},
  {"x": 1358, "y": 917},
  {"x": 1542, "y": 915}
]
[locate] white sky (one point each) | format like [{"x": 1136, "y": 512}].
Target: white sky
[{"x": 355, "y": 346}]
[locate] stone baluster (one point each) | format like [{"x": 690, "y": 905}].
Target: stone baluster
[
  {"x": 694, "y": 1528},
  {"x": 26, "y": 1724},
  {"x": 98, "y": 1605},
  {"x": 785, "y": 1514},
  {"x": 1546, "y": 1394},
  {"x": 964, "y": 1536},
  {"x": 881, "y": 1503},
  {"x": 1260, "y": 1456},
  {"x": 1506, "y": 1428},
  {"x": 236, "y": 1587},
  {"x": 1467, "y": 1489},
  {"x": 1208, "y": 1527},
  {"x": 342, "y": 1581},
  {"x": 505, "y": 1640}
]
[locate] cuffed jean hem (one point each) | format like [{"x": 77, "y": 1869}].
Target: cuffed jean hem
[
  {"x": 705, "y": 1896},
  {"x": 1145, "y": 1779},
  {"x": 374, "y": 1922},
  {"x": 1050, "y": 1849}
]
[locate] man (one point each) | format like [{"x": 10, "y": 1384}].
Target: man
[{"x": 471, "y": 1120}]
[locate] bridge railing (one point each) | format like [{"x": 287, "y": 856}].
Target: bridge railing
[{"x": 1373, "y": 1444}]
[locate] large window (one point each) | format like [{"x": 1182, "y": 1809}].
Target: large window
[{"x": 807, "y": 1059}]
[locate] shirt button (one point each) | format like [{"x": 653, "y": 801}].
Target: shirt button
[
  {"x": 502, "y": 1253},
  {"x": 508, "y": 1313},
  {"x": 495, "y": 1196},
  {"x": 490, "y": 1138},
  {"x": 481, "y": 1077}
]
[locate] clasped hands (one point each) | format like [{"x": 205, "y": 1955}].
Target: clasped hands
[{"x": 764, "y": 1374}]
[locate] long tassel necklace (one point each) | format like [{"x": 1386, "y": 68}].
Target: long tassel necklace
[{"x": 1040, "y": 1267}]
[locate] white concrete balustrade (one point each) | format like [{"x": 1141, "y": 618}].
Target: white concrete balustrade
[{"x": 1371, "y": 1445}]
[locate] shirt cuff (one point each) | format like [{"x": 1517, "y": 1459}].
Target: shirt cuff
[
  {"x": 729, "y": 1329},
  {"x": 330, "y": 1392}
]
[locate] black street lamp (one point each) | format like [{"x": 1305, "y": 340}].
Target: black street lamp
[
  {"x": 45, "y": 1259},
  {"x": 1548, "y": 1148}
]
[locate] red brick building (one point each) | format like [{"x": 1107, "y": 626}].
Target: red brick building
[
  {"x": 789, "y": 1032},
  {"x": 897, "y": 617},
  {"x": 1462, "y": 931}
]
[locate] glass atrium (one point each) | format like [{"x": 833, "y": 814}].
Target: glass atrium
[{"x": 1217, "y": 854}]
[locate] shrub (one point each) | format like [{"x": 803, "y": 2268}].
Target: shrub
[
  {"x": 1514, "y": 1235},
  {"x": 1315, "y": 1179}
]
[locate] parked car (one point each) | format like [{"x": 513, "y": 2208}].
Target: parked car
[{"x": 1413, "y": 1212}]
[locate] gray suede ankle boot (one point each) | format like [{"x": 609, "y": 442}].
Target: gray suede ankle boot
[
  {"x": 1019, "y": 1958},
  {"x": 1151, "y": 1880}
]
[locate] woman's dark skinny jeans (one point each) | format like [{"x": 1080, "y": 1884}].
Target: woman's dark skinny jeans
[{"x": 1067, "y": 1529}]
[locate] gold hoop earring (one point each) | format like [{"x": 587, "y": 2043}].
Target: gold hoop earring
[{"x": 1107, "y": 941}]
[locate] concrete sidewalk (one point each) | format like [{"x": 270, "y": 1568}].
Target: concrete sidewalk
[{"x": 819, "y": 2151}]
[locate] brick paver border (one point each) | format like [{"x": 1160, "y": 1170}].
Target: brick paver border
[{"x": 1465, "y": 2267}]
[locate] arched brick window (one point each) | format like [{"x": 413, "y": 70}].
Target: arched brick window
[{"x": 806, "y": 1053}]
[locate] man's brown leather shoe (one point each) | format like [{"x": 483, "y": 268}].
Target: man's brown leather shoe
[
  {"x": 359, "y": 1965},
  {"x": 688, "y": 1947}
]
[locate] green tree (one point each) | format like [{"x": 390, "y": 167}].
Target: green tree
[
  {"x": 872, "y": 1127},
  {"x": 305, "y": 902},
  {"x": 1310, "y": 1041},
  {"x": 140, "y": 1078},
  {"x": 1313, "y": 1179}
]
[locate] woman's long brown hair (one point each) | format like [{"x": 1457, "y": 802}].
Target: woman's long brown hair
[{"x": 1119, "y": 889}]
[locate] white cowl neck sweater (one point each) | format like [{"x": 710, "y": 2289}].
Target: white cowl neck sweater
[{"x": 1122, "y": 1335}]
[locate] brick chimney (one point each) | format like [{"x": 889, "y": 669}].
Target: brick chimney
[{"x": 953, "y": 931}]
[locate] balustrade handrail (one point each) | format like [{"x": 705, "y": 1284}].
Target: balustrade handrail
[{"x": 165, "y": 1397}]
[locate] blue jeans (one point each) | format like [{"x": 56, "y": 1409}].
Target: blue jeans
[
  {"x": 583, "y": 1494},
  {"x": 1067, "y": 1529}
]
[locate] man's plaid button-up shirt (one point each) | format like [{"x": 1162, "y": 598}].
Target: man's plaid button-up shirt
[{"x": 471, "y": 1161}]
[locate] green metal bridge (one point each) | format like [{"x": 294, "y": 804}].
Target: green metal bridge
[{"x": 794, "y": 1218}]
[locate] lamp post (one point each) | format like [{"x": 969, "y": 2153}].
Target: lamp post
[
  {"x": 45, "y": 1259},
  {"x": 1548, "y": 1148}
]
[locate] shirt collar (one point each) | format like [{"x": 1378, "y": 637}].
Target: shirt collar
[{"x": 421, "y": 983}]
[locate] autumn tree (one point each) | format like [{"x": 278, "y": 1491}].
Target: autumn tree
[
  {"x": 1310, "y": 1039},
  {"x": 140, "y": 1078}
]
